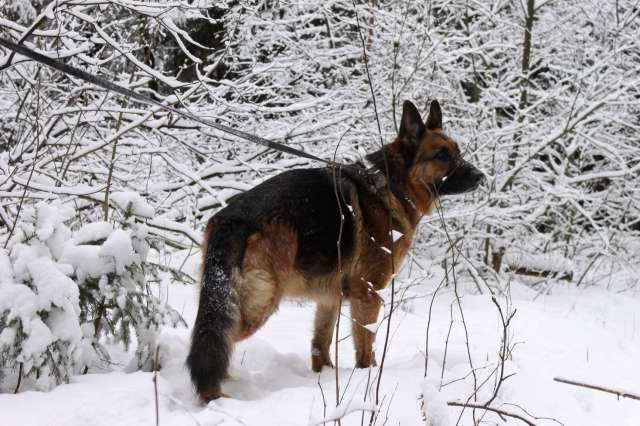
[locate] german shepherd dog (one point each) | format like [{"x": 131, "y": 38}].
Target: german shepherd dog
[{"x": 321, "y": 235}]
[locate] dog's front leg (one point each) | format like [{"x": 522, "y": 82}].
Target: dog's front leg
[
  {"x": 364, "y": 311},
  {"x": 325, "y": 321}
]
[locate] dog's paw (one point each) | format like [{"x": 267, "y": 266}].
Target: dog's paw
[
  {"x": 318, "y": 362},
  {"x": 366, "y": 360},
  {"x": 211, "y": 394}
]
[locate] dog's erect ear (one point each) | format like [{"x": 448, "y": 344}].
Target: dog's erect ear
[
  {"x": 434, "y": 120},
  {"x": 411, "y": 125}
]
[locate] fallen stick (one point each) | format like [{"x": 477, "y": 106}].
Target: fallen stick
[{"x": 619, "y": 393}]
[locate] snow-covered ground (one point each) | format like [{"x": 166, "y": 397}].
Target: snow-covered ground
[{"x": 590, "y": 334}]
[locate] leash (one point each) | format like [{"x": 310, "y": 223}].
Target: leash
[{"x": 372, "y": 179}]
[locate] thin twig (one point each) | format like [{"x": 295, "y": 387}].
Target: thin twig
[
  {"x": 452, "y": 246},
  {"x": 618, "y": 392},
  {"x": 506, "y": 321},
  {"x": 428, "y": 327},
  {"x": 494, "y": 410},
  {"x": 390, "y": 222},
  {"x": 33, "y": 167},
  {"x": 107, "y": 189},
  {"x": 584, "y": 274},
  {"x": 17, "y": 389},
  {"x": 336, "y": 369},
  {"x": 39, "y": 20},
  {"x": 155, "y": 385},
  {"x": 337, "y": 189},
  {"x": 446, "y": 345},
  {"x": 324, "y": 400}
]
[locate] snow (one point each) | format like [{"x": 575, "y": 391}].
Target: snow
[
  {"x": 85, "y": 260},
  {"x": 6, "y": 271},
  {"x": 164, "y": 223},
  {"x": 19, "y": 300},
  {"x": 46, "y": 223},
  {"x": 49, "y": 217},
  {"x": 53, "y": 287},
  {"x": 435, "y": 407},
  {"x": 344, "y": 409},
  {"x": 92, "y": 232},
  {"x": 23, "y": 255},
  {"x": 589, "y": 334},
  {"x": 7, "y": 336},
  {"x": 517, "y": 258},
  {"x": 133, "y": 200},
  {"x": 395, "y": 235},
  {"x": 118, "y": 247},
  {"x": 372, "y": 327},
  {"x": 38, "y": 338},
  {"x": 114, "y": 255}
]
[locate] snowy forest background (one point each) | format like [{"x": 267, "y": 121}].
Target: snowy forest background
[{"x": 103, "y": 199}]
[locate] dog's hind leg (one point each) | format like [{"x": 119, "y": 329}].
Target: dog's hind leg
[
  {"x": 364, "y": 311},
  {"x": 258, "y": 298},
  {"x": 257, "y": 283},
  {"x": 325, "y": 321}
]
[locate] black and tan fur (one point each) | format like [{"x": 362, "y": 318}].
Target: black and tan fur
[{"x": 279, "y": 240}]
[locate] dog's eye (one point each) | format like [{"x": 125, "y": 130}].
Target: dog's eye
[{"x": 443, "y": 155}]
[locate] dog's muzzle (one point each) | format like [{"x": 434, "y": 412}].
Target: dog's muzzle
[
  {"x": 464, "y": 178},
  {"x": 476, "y": 176}
]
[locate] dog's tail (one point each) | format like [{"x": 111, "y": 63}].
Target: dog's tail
[{"x": 211, "y": 343}]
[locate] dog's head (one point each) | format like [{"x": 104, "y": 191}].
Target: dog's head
[{"x": 427, "y": 160}]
